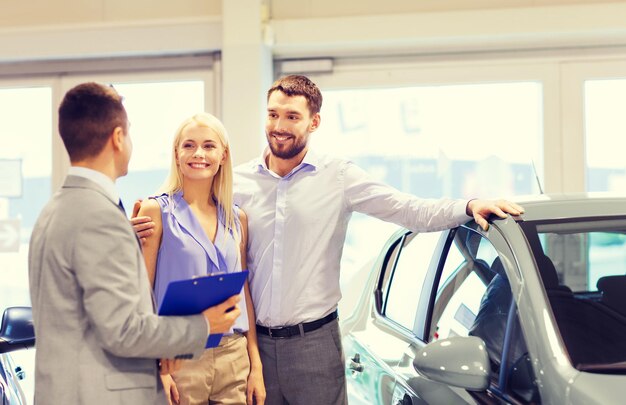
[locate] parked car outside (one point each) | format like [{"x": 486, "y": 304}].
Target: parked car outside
[
  {"x": 531, "y": 311},
  {"x": 16, "y": 333}
]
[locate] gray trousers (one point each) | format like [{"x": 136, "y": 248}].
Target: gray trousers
[{"x": 304, "y": 370}]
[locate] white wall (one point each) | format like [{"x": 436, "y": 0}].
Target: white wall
[
  {"x": 455, "y": 30},
  {"x": 70, "y": 29},
  {"x": 287, "y": 9},
  {"x": 43, "y": 29},
  {"x": 36, "y": 13},
  {"x": 59, "y": 12}
]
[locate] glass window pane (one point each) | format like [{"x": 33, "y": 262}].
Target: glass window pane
[
  {"x": 582, "y": 258},
  {"x": 455, "y": 140},
  {"x": 406, "y": 285},
  {"x": 463, "y": 282},
  {"x": 605, "y": 126},
  {"x": 459, "y": 141},
  {"x": 26, "y": 157},
  {"x": 607, "y": 256},
  {"x": 461, "y": 309},
  {"x": 583, "y": 276},
  {"x": 28, "y": 143},
  {"x": 155, "y": 110}
]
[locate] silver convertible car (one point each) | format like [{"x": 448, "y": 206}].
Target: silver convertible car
[{"x": 532, "y": 311}]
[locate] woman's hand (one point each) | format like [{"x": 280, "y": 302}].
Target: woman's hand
[
  {"x": 171, "y": 392},
  {"x": 256, "y": 387}
]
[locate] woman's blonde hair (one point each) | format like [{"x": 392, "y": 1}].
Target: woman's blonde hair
[{"x": 222, "y": 188}]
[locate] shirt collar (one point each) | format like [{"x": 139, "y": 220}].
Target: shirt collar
[
  {"x": 311, "y": 160},
  {"x": 99, "y": 178}
]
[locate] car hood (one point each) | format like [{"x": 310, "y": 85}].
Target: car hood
[{"x": 595, "y": 388}]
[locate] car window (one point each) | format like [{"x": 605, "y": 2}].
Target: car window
[
  {"x": 475, "y": 300},
  {"x": 581, "y": 259},
  {"x": 460, "y": 310},
  {"x": 582, "y": 266},
  {"x": 407, "y": 277},
  {"x": 461, "y": 286}
]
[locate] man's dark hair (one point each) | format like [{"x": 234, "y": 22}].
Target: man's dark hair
[
  {"x": 88, "y": 115},
  {"x": 298, "y": 85}
]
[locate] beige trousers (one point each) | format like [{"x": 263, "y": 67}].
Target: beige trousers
[{"x": 219, "y": 376}]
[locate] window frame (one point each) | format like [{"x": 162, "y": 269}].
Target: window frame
[
  {"x": 573, "y": 95},
  {"x": 385, "y": 278}
]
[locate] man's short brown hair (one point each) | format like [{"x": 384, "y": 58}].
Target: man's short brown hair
[
  {"x": 298, "y": 85},
  {"x": 88, "y": 114}
]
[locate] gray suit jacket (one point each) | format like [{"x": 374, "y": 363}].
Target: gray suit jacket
[{"x": 98, "y": 337}]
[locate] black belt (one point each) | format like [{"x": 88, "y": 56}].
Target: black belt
[{"x": 296, "y": 330}]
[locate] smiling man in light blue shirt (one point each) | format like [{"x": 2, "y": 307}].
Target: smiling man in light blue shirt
[{"x": 299, "y": 204}]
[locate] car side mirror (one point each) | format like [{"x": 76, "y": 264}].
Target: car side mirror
[
  {"x": 459, "y": 361},
  {"x": 16, "y": 330}
]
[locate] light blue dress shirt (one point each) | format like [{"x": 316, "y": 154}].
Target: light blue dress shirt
[{"x": 297, "y": 227}]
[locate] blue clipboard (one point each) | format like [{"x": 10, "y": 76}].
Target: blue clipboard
[{"x": 192, "y": 296}]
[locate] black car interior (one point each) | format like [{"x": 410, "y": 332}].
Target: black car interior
[
  {"x": 594, "y": 332},
  {"x": 592, "y": 324}
]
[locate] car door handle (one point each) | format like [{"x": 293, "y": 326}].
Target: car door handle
[
  {"x": 355, "y": 363},
  {"x": 21, "y": 374}
]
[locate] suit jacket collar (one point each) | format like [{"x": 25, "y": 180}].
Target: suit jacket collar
[
  {"x": 72, "y": 181},
  {"x": 97, "y": 177}
]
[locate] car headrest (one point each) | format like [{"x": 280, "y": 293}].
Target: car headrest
[
  {"x": 613, "y": 290},
  {"x": 548, "y": 272},
  {"x": 610, "y": 284}
]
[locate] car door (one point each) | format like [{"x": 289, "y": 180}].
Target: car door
[
  {"x": 449, "y": 300},
  {"x": 375, "y": 347},
  {"x": 470, "y": 296},
  {"x": 428, "y": 287}
]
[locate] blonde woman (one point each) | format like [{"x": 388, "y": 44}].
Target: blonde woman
[{"x": 198, "y": 231}]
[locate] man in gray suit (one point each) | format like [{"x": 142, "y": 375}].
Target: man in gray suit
[{"x": 98, "y": 336}]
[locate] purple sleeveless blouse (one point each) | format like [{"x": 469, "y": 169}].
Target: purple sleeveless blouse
[{"x": 186, "y": 251}]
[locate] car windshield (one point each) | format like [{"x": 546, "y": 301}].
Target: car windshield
[{"x": 583, "y": 268}]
